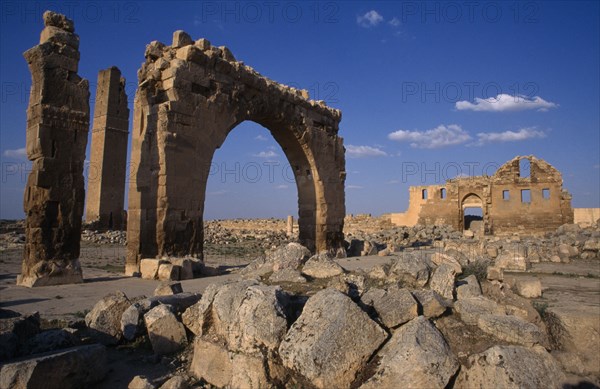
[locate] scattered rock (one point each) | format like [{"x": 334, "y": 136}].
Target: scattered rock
[
  {"x": 322, "y": 266},
  {"x": 411, "y": 269},
  {"x": 442, "y": 280},
  {"x": 168, "y": 288},
  {"x": 394, "y": 306},
  {"x": 331, "y": 341},
  {"x": 417, "y": 356},
  {"x": 287, "y": 275},
  {"x": 511, "y": 329},
  {"x": 528, "y": 287},
  {"x": 140, "y": 382},
  {"x": 510, "y": 367},
  {"x": 430, "y": 304},
  {"x": 470, "y": 309},
  {"x": 76, "y": 367},
  {"x": 166, "y": 333},
  {"x": 105, "y": 317},
  {"x": 468, "y": 287}
]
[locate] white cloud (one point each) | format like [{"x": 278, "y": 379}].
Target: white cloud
[
  {"x": 441, "y": 136},
  {"x": 393, "y": 182},
  {"x": 370, "y": 19},
  {"x": 509, "y": 136},
  {"x": 504, "y": 102},
  {"x": 395, "y": 22},
  {"x": 282, "y": 186},
  {"x": 364, "y": 151},
  {"x": 17, "y": 153},
  {"x": 266, "y": 154},
  {"x": 261, "y": 138},
  {"x": 354, "y": 187}
]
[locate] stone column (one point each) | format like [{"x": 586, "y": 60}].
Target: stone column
[
  {"x": 57, "y": 128},
  {"x": 290, "y": 226},
  {"x": 106, "y": 178}
]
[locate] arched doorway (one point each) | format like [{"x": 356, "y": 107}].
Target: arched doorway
[
  {"x": 472, "y": 214},
  {"x": 190, "y": 96}
]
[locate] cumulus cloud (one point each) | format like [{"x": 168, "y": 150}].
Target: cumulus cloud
[
  {"x": 509, "y": 136},
  {"x": 504, "y": 102},
  {"x": 370, "y": 19},
  {"x": 16, "y": 153},
  {"x": 395, "y": 22},
  {"x": 364, "y": 151},
  {"x": 441, "y": 136},
  {"x": 261, "y": 138},
  {"x": 266, "y": 154}
]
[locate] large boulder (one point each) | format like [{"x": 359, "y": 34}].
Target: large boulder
[
  {"x": 245, "y": 315},
  {"x": 76, "y": 367},
  {"x": 513, "y": 261},
  {"x": 411, "y": 269},
  {"x": 471, "y": 308},
  {"x": 430, "y": 304},
  {"x": 417, "y": 356},
  {"x": 322, "y": 266},
  {"x": 468, "y": 287},
  {"x": 166, "y": 333},
  {"x": 511, "y": 329},
  {"x": 290, "y": 256},
  {"x": 529, "y": 287},
  {"x": 105, "y": 317},
  {"x": 14, "y": 330},
  {"x": 222, "y": 368},
  {"x": 442, "y": 280},
  {"x": 576, "y": 330},
  {"x": 132, "y": 320},
  {"x": 394, "y": 306},
  {"x": 331, "y": 341},
  {"x": 511, "y": 367}
]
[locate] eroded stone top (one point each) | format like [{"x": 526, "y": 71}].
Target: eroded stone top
[
  {"x": 58, "y": 20},
  {"x": 160, "y": 58}
]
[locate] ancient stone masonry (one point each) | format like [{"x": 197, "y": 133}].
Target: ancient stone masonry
[
  {"x": 106, "y": 178},
  {"x": 57, "y": 130},
  {"x": 190, "y": 96},
  {"x": 525, "y": 195}
]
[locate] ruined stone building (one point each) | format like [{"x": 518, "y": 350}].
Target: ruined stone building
[
  {"x": 190, "y": 96},
  {"x": 58, "y": 118},
  {"x": 525, "y": 194},
  {"x": 110, "y": 132}
]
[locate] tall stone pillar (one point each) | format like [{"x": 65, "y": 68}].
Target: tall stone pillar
[
  {"x": 106, "y": 178},
  {"x": 57, "y": 129}
]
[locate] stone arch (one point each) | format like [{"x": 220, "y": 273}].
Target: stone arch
[
  {"x": 472, "y": 200},
  {"x": 191, "y": 95}
]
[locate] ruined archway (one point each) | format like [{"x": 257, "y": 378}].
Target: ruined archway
[
  {"x": 472, "y": 213},
  {"x": 190, "y": 96}
]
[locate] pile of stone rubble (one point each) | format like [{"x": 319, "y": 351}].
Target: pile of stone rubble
[{"x": 424, "y": 318}]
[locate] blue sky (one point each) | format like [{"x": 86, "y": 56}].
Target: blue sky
[{"x": 445, "y": 88}]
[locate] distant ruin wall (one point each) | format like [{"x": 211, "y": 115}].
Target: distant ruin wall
[
  {"x": 586, "y": 216},
  {"x": 108, "y": 160},
  {"x": 509, "y": 200},
  {"x": 57, "y": 130}
]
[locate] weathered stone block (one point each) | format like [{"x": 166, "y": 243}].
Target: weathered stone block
[{"x": 166, "y": 333}]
